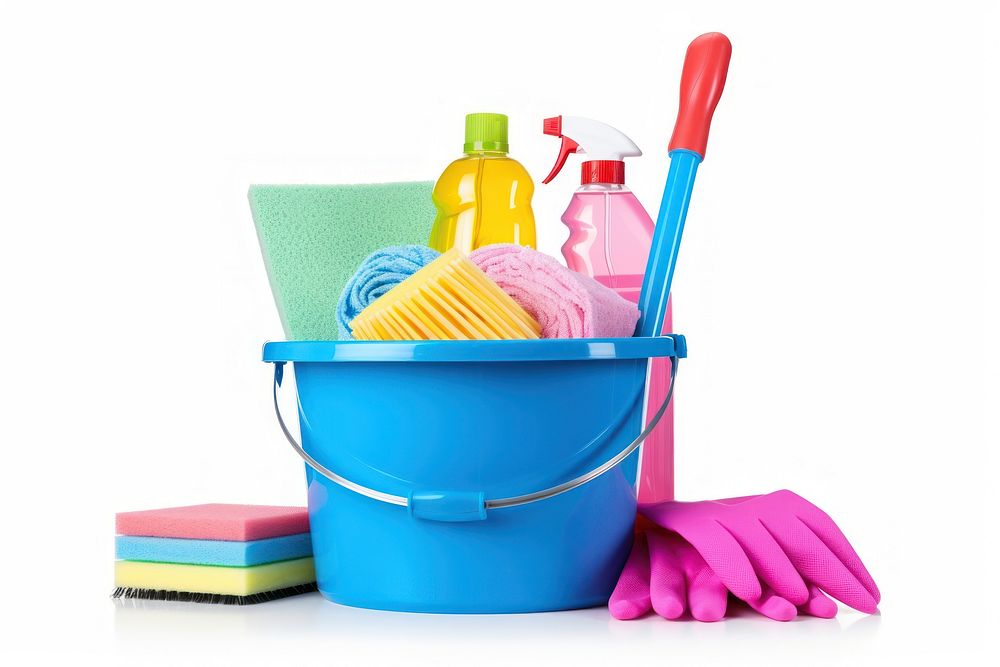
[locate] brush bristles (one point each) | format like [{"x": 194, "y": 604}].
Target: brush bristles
[{"x": 211, "y": 598}]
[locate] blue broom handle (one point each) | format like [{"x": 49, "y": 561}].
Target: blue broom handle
[
  {"x": 666, "y": 241},
  {"x": 706, "y": 65}
]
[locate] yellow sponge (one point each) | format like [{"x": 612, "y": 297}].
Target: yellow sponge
[{"x": 216, "y": 579}]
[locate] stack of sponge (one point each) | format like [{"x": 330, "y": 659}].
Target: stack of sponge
[{"x": 217, "y": 553}]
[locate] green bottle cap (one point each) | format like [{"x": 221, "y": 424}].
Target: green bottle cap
[{"x": 485, "y": 132}]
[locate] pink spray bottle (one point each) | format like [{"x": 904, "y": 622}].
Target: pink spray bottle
[{"x": 609, "y": 240}]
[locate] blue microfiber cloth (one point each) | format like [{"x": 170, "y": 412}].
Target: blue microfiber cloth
[
  {"x": 379, "y": 273},
  {"x": 212, "y": 552}
]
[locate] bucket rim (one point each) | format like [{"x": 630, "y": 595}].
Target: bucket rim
[{"x": 547, "y": 349}]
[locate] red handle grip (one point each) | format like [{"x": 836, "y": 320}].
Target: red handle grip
[{"x": 705, "y": 67}]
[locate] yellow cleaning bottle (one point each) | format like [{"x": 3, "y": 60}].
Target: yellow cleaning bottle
[{"x": 484, "y": 197}]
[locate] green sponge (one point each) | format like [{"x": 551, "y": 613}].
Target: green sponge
[{"x": 313, "y": 238}]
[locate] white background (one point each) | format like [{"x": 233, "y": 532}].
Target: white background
[{"x": 833, "y": 286}]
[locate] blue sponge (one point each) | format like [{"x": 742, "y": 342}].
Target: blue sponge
[{"x": 212, "y": 552}]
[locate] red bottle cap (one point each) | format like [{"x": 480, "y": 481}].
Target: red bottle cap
[{"x": 603, "y": 171}]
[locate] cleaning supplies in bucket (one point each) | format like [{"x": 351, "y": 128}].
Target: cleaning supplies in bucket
[
  {"x": 566, "y": 304},
  {"x": 312, "y": 238},
  {"x": 449, "y": 299},
  {"x": 537, "y": 514},
  {"x": 217, "y": 553},
  {"x": 484, "y": 197}
]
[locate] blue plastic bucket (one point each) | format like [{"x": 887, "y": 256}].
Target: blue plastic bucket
[{"x": 470, "y": 476}]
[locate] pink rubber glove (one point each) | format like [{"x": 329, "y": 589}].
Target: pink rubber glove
[
  {"x": 777, "y": 544},
  {"x": 666, "y": 574}
]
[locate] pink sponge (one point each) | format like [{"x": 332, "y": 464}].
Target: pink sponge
[{"x": 216, "y": 521}]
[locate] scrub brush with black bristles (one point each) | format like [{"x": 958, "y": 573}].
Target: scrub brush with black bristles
[{"x": 211, "y": 598}]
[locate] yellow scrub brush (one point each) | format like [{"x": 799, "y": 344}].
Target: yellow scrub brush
[{"x": 449, "y": 299}]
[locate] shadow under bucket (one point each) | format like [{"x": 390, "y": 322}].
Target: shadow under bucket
[{"x": 471, "y": 476}]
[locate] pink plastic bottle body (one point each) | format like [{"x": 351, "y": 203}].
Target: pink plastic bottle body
[
  {"x": 656, "y": 476},
  {"x": 609, "y": 240}
]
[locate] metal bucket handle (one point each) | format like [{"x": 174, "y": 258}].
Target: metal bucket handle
[{"x": 467, "y": 506}]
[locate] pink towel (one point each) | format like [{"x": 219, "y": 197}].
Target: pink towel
[{"x": 567, "y": 304}]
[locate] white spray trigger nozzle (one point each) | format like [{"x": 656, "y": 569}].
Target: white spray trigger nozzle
[{"x": 598, "y": 140}]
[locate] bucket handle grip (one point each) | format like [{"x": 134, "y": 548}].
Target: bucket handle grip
[{"x": 496, "y": 503}]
